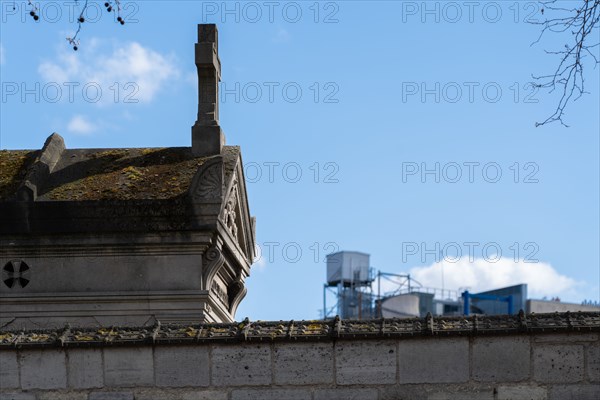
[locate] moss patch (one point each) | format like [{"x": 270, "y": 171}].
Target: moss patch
[{"x": 13, "y": 168}]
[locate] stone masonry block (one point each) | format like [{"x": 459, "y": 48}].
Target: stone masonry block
[
  {"x": 346, "y": 394},
  {"x": 565, "y": 337},
  {"x": 111, "y": 396},
  {"x": 372, "y": 362},
  {"x": 271, "y": 394},
  {"x": 554, "y": 363},
  {"x": 62, "y": 396},
  {"x": 575, "y": 392},
  {"x": 43, "y": 369},
  {"x": 403, "y": 392},
  {"x": 500, "y": 359},
  {"x": 9, "y": 370},
  {"x": 303, "y": 363},
  {"x": 434, "y": 361},
  {"x": 128, "y": 367},
  {"x": 238, "y": 365},
  {"x": 85, "y": 368},
  {"x": 473, "y": 394},
  {"x": 593, "y": 363},
  {"x": 17, "y": 396},
  {"x": 522, "y": 393},
  {"x": 181, "y": 366},
  {"x": 180, "y": 394}
]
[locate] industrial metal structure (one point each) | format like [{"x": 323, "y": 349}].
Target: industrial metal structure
[
  {"x": 349, "y": 279},
  {"x": 351, "y": 282}
]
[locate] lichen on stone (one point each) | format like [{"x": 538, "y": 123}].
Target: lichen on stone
[{"x": 13, "y": 167}]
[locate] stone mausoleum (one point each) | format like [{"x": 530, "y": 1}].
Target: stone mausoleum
[
  {"x": 121, "y": 271},
  {"x": 101, "y": 237}
]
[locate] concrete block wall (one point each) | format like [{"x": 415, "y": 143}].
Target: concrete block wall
[{"x": 512, "y": 367}]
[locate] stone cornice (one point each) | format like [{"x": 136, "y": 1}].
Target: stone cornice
[{"x": 336, "y": 329}]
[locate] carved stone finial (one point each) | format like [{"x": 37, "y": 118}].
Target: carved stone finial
[{"x": 207, "y": 137}]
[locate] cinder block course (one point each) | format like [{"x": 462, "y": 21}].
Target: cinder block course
[
  {"x": 181, "y": 366},
  {"x": 346, "y": 394},
  {"x": 43, "y": 369},
  {"x": 501, "y": 359},
  {"x": 367, "y": 362},
  {"x": 554, "y": 363},
  {"x": 593, "y": 363},
  {"x": 9, "y": 370},
  {"x": 433, "y": 361},
  {"x": 85, "y": 368},
  {"x": 128, "y": 366},
  {"x": 236, "y": 365},
  {"x": 575, "y": 392},
  {"x": 111, "y": 396},
  {"x": 271, "y": 394},
  {"x": 522, "y": 393},
  {"x": 303, "y": 363}
]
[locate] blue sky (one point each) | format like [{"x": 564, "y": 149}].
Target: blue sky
[{"x": 339, "y": 107}]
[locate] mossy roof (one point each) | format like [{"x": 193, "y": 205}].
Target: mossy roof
[{"x": 109, "y": 174}]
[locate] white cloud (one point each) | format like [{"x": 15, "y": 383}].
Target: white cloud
[
  {"x": 481, "y": 275},
  {"x": 260, "y": 263},
  {"x": 131, "y": 62},
  {"x": 79, "y": 125},
  {"x": 282, "y": 36}
]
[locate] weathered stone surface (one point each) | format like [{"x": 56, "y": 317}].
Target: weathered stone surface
[
  {"x": 9, "y": 370},
  {"x": 179, "y": 394},
  {"x": 85, "y": 369},
  {"x": 62, "y": 396},
  {"x": 17, "y": 396},
  {"x": 593, "y": 363},
  {"x": 473, "y": 394},
  {"x": 565, "y": 337},
  {"x": 575, "y": 392},
  {"x": 366, "y": 362},
  {"x": 128, "y": 367},
  {"x": 111, "y": 396},
  {"x": 522, "y": 392},
  {"x": 558, "y": 363},
  {"x": 271, "y": 394},
  {"x": 403, "y": 392},
  {"x": 182, "y": 366},
  {"x": 43, "y": 369},
  {"x": 346, "y": 394},
  {"x": 241, "y": 365},
  {"x": 500, "y": 359},
  {"x": 427, "y": 361},
  {"x": 303, "y": 363}
]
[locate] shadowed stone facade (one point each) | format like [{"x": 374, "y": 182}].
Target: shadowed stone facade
[{"x": 100, "y": 237}]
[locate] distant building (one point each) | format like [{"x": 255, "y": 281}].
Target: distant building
[
  {"x": 351, "y": 280},
  {"x": 546, "y": 306}
]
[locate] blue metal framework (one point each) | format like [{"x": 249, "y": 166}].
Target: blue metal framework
[{"x": 468, "y": 296}]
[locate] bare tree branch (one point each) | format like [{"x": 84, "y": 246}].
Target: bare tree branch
[
  {"x": 110, "y": 5},
  {"x": 568, "y": 77}
]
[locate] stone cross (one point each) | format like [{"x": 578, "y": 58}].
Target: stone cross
[{"x": 207, "y": 137}]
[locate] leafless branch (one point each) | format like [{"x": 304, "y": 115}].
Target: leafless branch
[
  {"x": 110, "y": 5},
  {"x": 579, "y": 23}
]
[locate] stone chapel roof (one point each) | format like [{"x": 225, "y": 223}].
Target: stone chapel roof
[{"x": 109, "y": 174}]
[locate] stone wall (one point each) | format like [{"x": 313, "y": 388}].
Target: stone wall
[{"x": 516, "y": 366}]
